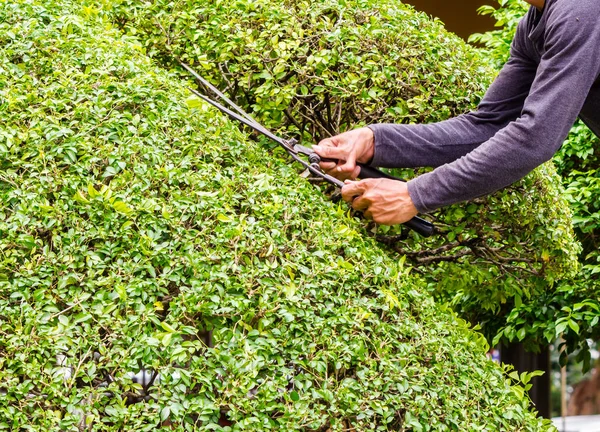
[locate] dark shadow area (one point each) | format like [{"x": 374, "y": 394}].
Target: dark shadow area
[{"x": 459, "y": 17}]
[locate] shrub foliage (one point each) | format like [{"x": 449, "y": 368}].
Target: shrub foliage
[
  {"x": 314, "y": 68},
  {"x": 132, "y": 224},
  {"x": 317, "y": 68}
]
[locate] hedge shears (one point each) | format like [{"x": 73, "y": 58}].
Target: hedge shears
[{"x": 296, "y": 150}]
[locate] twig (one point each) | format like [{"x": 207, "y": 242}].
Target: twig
[{"x": 293, "y": 120}]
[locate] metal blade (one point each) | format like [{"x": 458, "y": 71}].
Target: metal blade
[
  {"x": 218, "y": 92},
  {"x": 293, "y": 152},
  {"x": 304, "y": 150},
  {"x": 245, "y": 121}
]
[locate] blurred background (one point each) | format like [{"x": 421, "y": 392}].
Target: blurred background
[{"x": 460, "y": 17}]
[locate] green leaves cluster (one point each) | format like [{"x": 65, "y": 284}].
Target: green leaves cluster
[
  {"x": 320, "y": 68},
  {"x": 498, "y": 42},
  {"x": 579, "y": 163},
  {"x": 131, "y": 225},
  {"x": 315, "y": 68}
]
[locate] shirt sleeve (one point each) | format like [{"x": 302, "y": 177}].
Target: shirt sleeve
[
  {"x": 568, "y": 68},
  {"x": 433, "y": 145}
]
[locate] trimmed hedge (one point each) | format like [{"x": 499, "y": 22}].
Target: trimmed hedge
[
  {"x": 130, "y": 225},
  {"x": 315, "y": 68},
  {"x": 305, "y": 65}
]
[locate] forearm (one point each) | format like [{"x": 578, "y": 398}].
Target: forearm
[
  {"x": 566, "y": 72},
  {"x": 408, "y": 146},
  {"x": 499, "y": 162}
]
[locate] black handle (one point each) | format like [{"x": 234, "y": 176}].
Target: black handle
[
  {"x": 420, "y": 226},
  {"x": 367, "y": 171}
]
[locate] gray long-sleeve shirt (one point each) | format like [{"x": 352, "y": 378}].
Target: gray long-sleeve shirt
[{"x": 552, "y": 76}]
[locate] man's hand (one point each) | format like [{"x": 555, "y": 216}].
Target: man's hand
[
  {"x": 348, "y": 148},
  {"x": 385, "y": 201}
]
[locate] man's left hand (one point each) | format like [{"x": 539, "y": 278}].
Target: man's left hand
[{"x": 385, "y": 201}]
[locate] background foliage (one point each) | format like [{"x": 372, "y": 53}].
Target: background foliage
[
  {"x": 132, "y": 224},
  {"x": 314, "y": 70},
  {"x": 573, "y": 311}
]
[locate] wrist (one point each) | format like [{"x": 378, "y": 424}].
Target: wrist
[
  {"x": 407, "y": 202},
  {"x": 368, "y": 140},
  {"x": 411, "y": 207},
  {"x": 415, "y": 196}
]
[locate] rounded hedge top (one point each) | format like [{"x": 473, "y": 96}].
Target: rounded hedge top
[
  {"x": 131, "y": 225},
  {"x": 317, "y": 67}
]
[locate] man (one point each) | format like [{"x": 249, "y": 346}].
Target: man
[{"x": 552, "y": 76}]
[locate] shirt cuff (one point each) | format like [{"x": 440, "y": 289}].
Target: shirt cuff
[
  {"x": 417, "y": 197},
  {"x": 376, "y": 160}
]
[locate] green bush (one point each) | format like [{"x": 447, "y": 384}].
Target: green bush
[
  {"x": 303, "y": 66},
  {"x": 132, "y": 224},
  {"x": 579, "y": 162},
  {"x": 498, "y": 42}
]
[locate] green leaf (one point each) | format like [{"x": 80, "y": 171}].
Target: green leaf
[
  {"x": 290, "y": 290},
  {"x": 223, "y": 218},
  {"x": 165, "y": 412},
  {"x": 167, "y": 327},
  {"x": 121, "y": 207},
  {"x": 574, "y": 326},
  {"x": 194, "y": 102},
  {"x": 79, "y": 197}
]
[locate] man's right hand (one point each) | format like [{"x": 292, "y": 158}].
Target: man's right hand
[{"x": 348, "y": 148}]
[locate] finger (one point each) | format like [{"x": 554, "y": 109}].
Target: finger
[
  {"x": 328, "y": 166},
  {"x": 352, "y": 189},
  {"x": 358, "y": 187},
  {"x": 344, "y": 175},
  {"x": 360, "y": 203},
  {"x": 338, "y": 175},
  {"x": 349, "y": 166},
  {"x": 331, "y": 152},
  {"x": 349, "y": 192}
]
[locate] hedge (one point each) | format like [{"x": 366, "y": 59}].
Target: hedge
[
  {"x": 131, "y": 225},
  {"x": 317, "y": 68}
]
